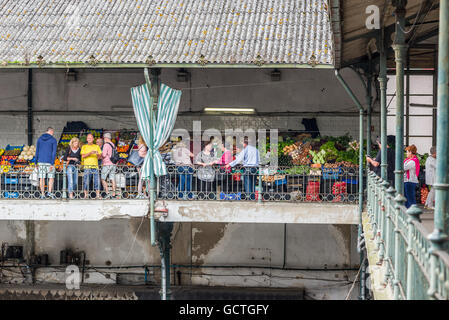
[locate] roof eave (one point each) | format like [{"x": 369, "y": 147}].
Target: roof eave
[{"x": 166, "y": 65}]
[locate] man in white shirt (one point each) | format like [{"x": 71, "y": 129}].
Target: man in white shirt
[
  {"x": 431, "y": 165},
  {"x": 249, "y": 158}
]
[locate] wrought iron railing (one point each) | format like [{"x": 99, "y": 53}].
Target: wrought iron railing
[
  {"x": 303, "y": 183},
  {"x": 414, "y": 269}
]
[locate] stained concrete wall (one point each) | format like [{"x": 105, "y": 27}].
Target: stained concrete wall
[
  {"x": 120, "y": 242},
  {"x": 108, "y": 91}
]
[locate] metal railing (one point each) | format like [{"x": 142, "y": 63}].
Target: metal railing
[
  {"x": 299, "y": 183},
  {"x": 414, "y": 269}
]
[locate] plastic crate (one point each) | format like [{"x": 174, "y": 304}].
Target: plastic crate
[
  {"x": 331, "y": 173},
  {"x": 10, "y": 195},
  {"x": 350, "y": 181},
  {"x": 231, "y": 196},
  {"x": 280, "y": 182},
  {"x": 9, "y": 147},
  {"x": 11, "y": 180}
]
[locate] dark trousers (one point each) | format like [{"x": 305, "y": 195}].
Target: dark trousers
[
  {"x": 249, "y": 180},
  {"x": 410, "y": 193}
]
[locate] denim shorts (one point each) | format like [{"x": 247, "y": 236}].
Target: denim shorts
[
  {"x": 45, "y": 169},
  {"x": 108, "y": 171}
]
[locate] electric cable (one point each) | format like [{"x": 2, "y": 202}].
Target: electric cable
[
  {"x": 416, "y": 19},
  {"x": 355, "y": 280}
]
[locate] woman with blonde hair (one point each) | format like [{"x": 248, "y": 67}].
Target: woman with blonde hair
[
  {"x": 411, "y": 174},
  {"x": 73, "y": 156}
]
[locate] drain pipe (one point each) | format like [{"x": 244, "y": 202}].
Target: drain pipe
[
  {"x": 155, "y": 95},
  {"x": 359, "y": 233}
]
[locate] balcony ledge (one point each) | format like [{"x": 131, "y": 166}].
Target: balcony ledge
[{"x": 181, "y": 211}]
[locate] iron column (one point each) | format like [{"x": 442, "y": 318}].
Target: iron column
[
  {"x": 439, "y": 235},
  {"x": 360, "y": 231},
  {"x": 368, "y": 107},
  {"x": 399, "y": 50},
  {"x": 383, "y": 109}
]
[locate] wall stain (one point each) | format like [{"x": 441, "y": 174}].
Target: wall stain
[
  {"x": 143, "y": 237},
  {"x": 205, "y": 238},
  {"x": 342, "y": 234}
]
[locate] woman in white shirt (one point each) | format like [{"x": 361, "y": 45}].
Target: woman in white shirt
[
  {"x": 431, "y": 165},
  {"x": 411, "y": 173}
]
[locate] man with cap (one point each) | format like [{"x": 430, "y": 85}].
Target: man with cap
[{"x": 108, "y": 168}]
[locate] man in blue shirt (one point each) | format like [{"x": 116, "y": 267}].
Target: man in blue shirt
[
  {"x": 45, "y": 159},
  {"x": 249, "y": 158}
]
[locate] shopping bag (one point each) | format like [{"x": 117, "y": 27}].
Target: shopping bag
[
  {"x": 135, "y": 159},
  {"x": 34, "y": 177}
]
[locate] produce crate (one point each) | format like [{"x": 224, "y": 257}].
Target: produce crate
[
  {"x": 350, "y": 181},
  {"x": 331, "y": 173},
  {"x": 230, "y": 196},
  {"x": 10, "y": 195},
  {"x": 9, "y": 147}
]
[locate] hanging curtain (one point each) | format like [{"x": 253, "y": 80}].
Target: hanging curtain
[{"x": 167, "y": 110}]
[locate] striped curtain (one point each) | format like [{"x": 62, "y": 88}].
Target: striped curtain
[{"x": 167, "y": 110}]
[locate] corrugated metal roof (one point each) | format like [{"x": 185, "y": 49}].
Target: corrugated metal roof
[{"x": 181, "y": 31}]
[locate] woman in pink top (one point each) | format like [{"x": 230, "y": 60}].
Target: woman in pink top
[{"x": 225, "y": 173}]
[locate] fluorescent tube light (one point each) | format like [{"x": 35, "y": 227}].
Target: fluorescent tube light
[{"x": 234, "y": 110}]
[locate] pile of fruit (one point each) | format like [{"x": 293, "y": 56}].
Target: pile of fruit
[
  {"x": 68, "y": 136},
  {"x": 299, "y": 153},
  {"x": 13, "y": 152},
  {"x": 123, "y": 155},
  {"x": 347, "y": 164},
  {"x": 5, "y": 168},
  {"x": 27, "y": 154},
  {"x": 2, "y": 151},
  {"x": 123, "y": 149},
  {"x": 331, "y": 165},
  {"x": 266, "y": 178}
]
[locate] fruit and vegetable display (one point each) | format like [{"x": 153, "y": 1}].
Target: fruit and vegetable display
[
  {"x": 10, "y": 156},
  {"x": 28, "y": 153}
]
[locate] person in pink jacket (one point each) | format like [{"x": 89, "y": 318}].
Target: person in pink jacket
[{"x": 411, "y": 174}]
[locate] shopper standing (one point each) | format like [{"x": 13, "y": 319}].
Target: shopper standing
[
  {"x": 90, "y": 153},
  {"x": 411, "y": 168},
  {"x": 376, "y": 163},
  {"x": 45, "y": 159},
  {"x": 249, "y": 158},
  {"x": 99, "y": 142},
  {"x": 73, "y": 156},
  {"x": 431, "y": 166},
  {"x": 206, "y": 173},
  {"x": 225, "y": 177},
  {"x": 142, "y": 150},
  {"x": 108, "y": 168},
  {"x": 181, "y": 157}
]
